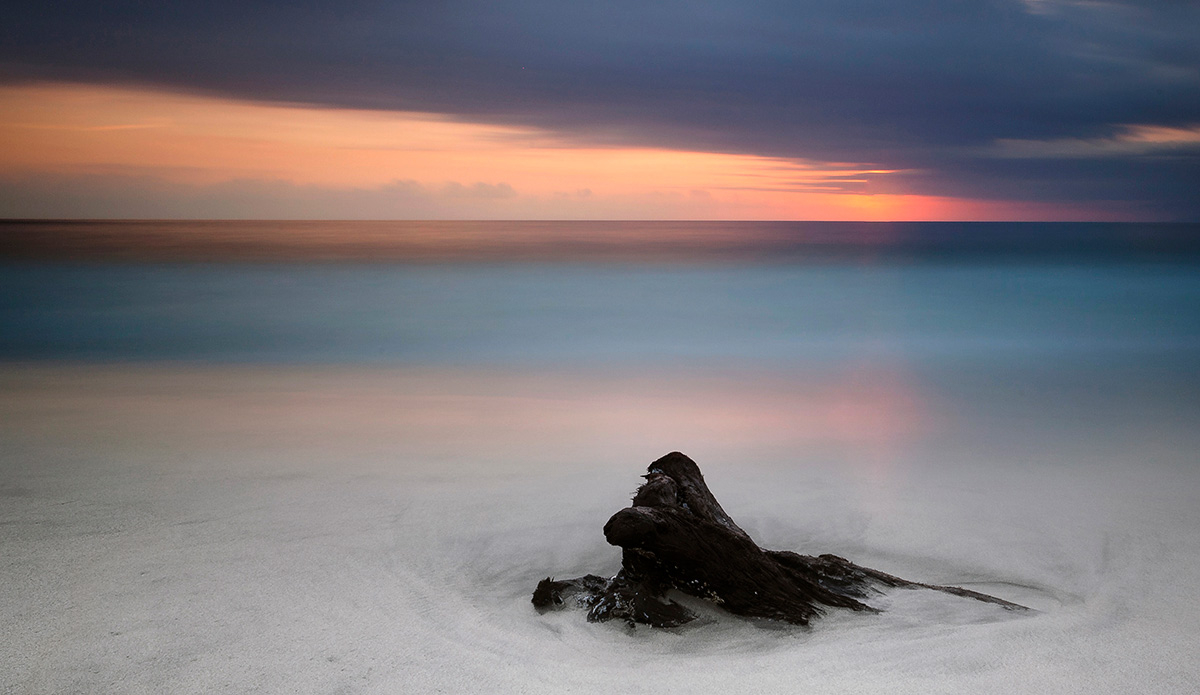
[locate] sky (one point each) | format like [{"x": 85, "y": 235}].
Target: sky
[{"x": 740, "y": 109}]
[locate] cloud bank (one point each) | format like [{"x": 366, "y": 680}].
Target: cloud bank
[{"x": 939, "y": 88}]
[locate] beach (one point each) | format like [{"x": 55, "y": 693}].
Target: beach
[
  {"x": 333, "y": 337},
  {"x": 220, "y": 528},
  {"x": 350, "y": 478}
]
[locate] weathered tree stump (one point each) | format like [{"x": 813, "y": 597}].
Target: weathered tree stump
[{"x": 677, "y": 536}]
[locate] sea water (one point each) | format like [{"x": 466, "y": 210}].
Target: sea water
[{"x": 349, "y": 477}]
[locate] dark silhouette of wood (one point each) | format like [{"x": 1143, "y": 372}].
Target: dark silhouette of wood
[{"x": 676, "y": 536}]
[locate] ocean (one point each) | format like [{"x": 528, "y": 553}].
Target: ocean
[{"x": 338, "y": 457}]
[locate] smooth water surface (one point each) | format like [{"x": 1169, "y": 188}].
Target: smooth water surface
[
  {"x": 579, "y": 314},
  {"x": 348, "y": 478}
]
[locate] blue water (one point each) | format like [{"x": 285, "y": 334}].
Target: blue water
[{"x": 571, "y": 314}]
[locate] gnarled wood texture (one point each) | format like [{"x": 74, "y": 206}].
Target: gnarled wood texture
[{"x": 676, "y": 536}]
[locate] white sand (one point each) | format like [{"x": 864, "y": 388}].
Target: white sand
[{"x": 223, "y": 529}]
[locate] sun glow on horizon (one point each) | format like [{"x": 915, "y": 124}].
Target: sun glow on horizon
[{"x": 446, "y": 168}]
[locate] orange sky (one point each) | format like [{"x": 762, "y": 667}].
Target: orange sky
[{"x": 189, "y": 145}]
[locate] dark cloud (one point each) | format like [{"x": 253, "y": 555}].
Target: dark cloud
[{"x": 925, "y": 85}]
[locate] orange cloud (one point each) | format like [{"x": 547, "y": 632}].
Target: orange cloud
[
  {"x": 199, "y": 141},
  {"x": 1130, "y": 140}
]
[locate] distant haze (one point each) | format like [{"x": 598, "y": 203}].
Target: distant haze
[{"x": 584, "y": 241}]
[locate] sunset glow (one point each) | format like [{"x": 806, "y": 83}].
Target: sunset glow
[{"x": 192, "y": 143}]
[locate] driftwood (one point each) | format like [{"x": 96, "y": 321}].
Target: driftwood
[{"x": 677, "y": 536}]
